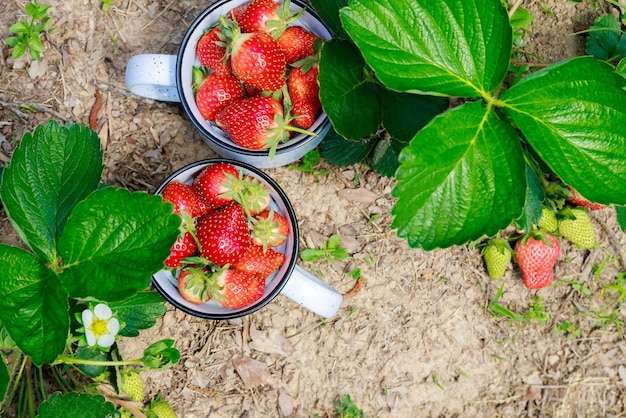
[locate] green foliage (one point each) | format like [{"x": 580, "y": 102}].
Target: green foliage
[
  {"x": 606, "y": 39},
  {"x": 29, "y": 31},
  {"x": 330, "y": 251},
  {"x": 473, "y": 162},
  {"x": 84, "y": 244},
  {"x": 346, "y": 408},
  {"x": 77, "y": 406}
]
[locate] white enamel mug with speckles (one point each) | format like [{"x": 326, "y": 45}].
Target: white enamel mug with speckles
[{"x": 169, "y": 78}]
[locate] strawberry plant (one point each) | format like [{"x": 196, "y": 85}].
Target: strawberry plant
[
  {"x": 29, "y": 31},
  {"x": 80, "y": 279},
  {"x": 473, "y": 169}
]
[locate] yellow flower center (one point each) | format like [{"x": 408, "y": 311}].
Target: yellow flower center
[{"x": 98, "y": 327}]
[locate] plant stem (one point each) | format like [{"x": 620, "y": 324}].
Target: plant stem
[
  {"x": 30, "y": 396},
  {"x": 73, "y": 360}
]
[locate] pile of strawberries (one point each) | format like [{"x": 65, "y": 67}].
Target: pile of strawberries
[
  {"x": 227, "y": 246},
  {"x": 537, "y": 252},
  {"x": 257, "y": 79}
]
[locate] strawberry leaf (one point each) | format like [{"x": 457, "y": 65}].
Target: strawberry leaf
[
  {"x": 534, "y": 197},
  {"x": 342, "y": 152},
  {"x": 50, "y": 171},
  {"x": 138, "y": 312},
  {"x": 385, "y": 155},
  {"x": 621, "y": 217},
  {"x": 455, "y": 179},
  {"x": 33, "y": 306},
  {"x": 557, "y": 110},
  {"x": 433, "y": 46},
  {"x": 328, "y": 11},
  {"x": 347, "y": 98},
  {"x": 114, "y": 241},
  {"x": 77, "y": 405},
  {"x": 606, "y": 41}
]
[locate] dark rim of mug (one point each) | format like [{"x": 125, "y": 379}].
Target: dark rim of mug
[
  {"x": 283, "y": 149},
  {"x": 292, "y": 261}
]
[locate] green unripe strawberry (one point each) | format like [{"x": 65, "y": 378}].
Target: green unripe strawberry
[
  {"x": 577, "y": 227},
  {"x": 548, "y": 221},
  {"x": 132, "y": 385},
  {"x": 161, "y": 409},
  {"x": 497, "y": 255}
]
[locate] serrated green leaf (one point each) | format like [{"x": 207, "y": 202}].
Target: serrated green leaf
[
  {"x": 342, "y": 152},
  {"x": 385, "y": 156},
  {"x": 88, "y": 353},
  {"x": 606, "y": 40},
  {"x": 460, "y": 178},
  {"x": 77, "y": 405},
  {"x": 446, "y": 47},
  {"x": 348, "y": 99},
  {"x": 521, "y": 18},
  {"x": 328, "y": 11},
  {"x": 406, "y": 113},
  {"x": 533, "y": 205},
  {"x": 33, "y": 306},
  {"x": 114, "y": 241},
  {"x": 138, "y": 312},
  {"x": 572, "y": 114},
  {"x": 50, "y": 171}
]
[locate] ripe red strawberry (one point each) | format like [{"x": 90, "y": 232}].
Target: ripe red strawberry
[
  {"x": 297, "y": 43},
  {"x": 215, "y": 92},
  {"x": 236, "y": 288},
  {"x": 254, "y": 122},
  {"x": 214, "y": 181},
  {"x": 193, "y": 285},
  {"x": 235, "y": 13},
  {"x": 260, "y": 262},
  {"x": 269, "y": 229},
  {"x": 268, "y": 17},
  {"x": 211, "y": 52},
  {"x": 223, "y": 234},
  {"x": 183, "y": 196},
  {"x": 257, "y": 60},
  {"x": 184, "y": 246},
  {"x": 304, "y": 91},
  {"x": 578, "y": 200},
  {"x": 536, "y": 256}
]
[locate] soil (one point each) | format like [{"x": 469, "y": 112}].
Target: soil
[{"x": 419, "y": 340}]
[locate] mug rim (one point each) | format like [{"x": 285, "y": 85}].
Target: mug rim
[
  {"x": 282, "y": 281},
  {"x": 229, "y": 146}
]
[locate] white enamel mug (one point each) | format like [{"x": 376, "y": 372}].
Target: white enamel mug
[
  {"x": 169, "y": 78},
  {"x": 289, "y": 280}
]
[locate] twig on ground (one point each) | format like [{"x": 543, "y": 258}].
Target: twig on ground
[{"x": 14, "y": 107}]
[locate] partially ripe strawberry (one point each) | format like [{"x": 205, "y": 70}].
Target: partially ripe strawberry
[
  {"x": 211, "y": 52},
  {"x": 223, "y": 234},
  {"x": 297, "y": 43},
  {"x": 184, "y": 246},
  {"x": 497, "y": 255},
  {"x": 536, "y": 256},
  {"x": 193, "y": 285},
  {"x": 260, "y": 262},
  {"x": 215, "y": 92},
  {"x": 304, "y": 92},
  {"x": 576, "y": 226},
  {"x": 269, "y": 229},
  {"x": 577, "y": 199}
]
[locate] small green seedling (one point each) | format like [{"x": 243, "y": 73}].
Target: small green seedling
[
  {"x": 347, "y": 409},
  {"x": 106, "y": 5},
  {"x": 330, "y": 251},
  {"x": 309, "y": 163},
  {"x": 536, "y": 310},
  {"x": 572, "y": 331},
  {"x": 29, "y": 32}
]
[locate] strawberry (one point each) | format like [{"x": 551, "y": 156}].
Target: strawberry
[
  {"x": 223, "y": 234},
  {"x": 222, "y": 183},
  {"x": 536, "y": 255},
  {"x": 269, "y": 229},
  {"x": 132, "y": 385},
  {"x": 193, "y": 285},
  {"x": 235, "y": 13},
  {"x": 297, "y": 43},
  {"x": 256, "y": 58},
  {"x": 497, "y": 255},
  {"x": 236, "y": 288},
  {"x": 184, "y": 246},
  {"x": 577, "y": 199},
  {"x": 160, "y": 408},
  {"x": 254, "y": 122},
  {"x": 304, "y": 91},
  {"x": 548, "y": 221},
  {"x": 576, "y": 226},
  {"x": 261, "y": 262},
  {"x": 267, "y": 16},
  {"x": 211, "y": 52},
  {"x": 215, "y": 92},
  {"x": 184, "y": 198}
]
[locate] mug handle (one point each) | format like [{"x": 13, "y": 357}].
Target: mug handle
[
  {"x": 311, "y": 293},
  {"x": 153, "y": 76}
]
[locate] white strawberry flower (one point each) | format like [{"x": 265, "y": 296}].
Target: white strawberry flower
[{"x": 100, "y": 326}]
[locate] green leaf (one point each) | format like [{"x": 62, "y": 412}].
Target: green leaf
[
  {"x": 114, "y": 241},
  {"x": 88, "y": 353},
  {"x": 533, "y": 205},
  {"x": 138, "y": 312},
  {"x": 621, "y": 216},
  {"x": 50, "y": 171},
  {"x": 385, "y": 156},
  {"x": 6, "y": 342},
  {"x": 342, "y": 152},
  {"x": 405, "y": 113},
  {"x": 445, "y": 47},
  {"x": 605, "y": 40},
  {"x": 521, "y": 18},
  {"x": 558, "y": 110},
  {"x": 460, "y": 178},
  {"x": 33, "y": 306},
  {"x": 5, "y": 378},
  {"x": 328, "y": 11},
  {"x": 161, "y": 355},
  {"x": 348, "y": 99},
  {"x": 77, "y": 405},
  {"x": 21, "y": 26}
]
